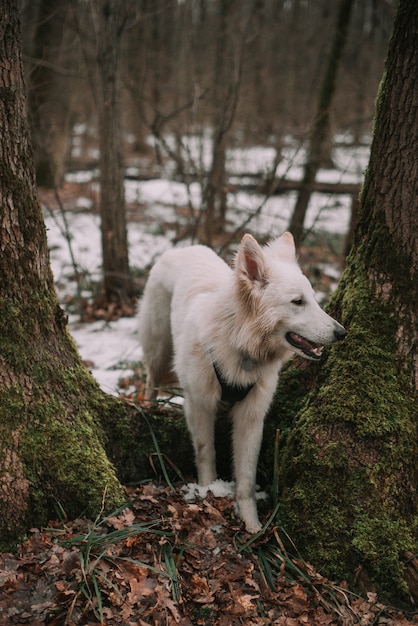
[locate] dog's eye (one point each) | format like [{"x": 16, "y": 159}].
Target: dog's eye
[{"x": 298, "y": 301}]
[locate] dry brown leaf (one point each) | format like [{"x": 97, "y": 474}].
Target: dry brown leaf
[
  {"x": 124, "y": 519},
  {"x": 167, "y": 603},
  {"x": 140, "y": 589}
]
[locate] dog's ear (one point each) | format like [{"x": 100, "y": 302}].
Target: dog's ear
[
  {"x": 284, "y": 247},
  {"x": 250, "y": 263}
]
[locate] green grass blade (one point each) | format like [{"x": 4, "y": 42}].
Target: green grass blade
[
  {"x": 171, "y": 571},
  {"x": 153, "y": 569},
  {"x": 261, "y": 532},
  {"x": 98, "y": 597},
  {"x": 266, "y": 570},
  {"x": 160, "y": 456},
  {"x": 275, "y": 485}
]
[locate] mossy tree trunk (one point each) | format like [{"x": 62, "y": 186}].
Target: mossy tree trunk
[
  {"x": 51, "y": 441},
  {"x": 349, "y": 466}
]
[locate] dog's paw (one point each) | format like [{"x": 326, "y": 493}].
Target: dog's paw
[
  {"x": 252, "y": 527},
  {"x": 248, "y": 513}
]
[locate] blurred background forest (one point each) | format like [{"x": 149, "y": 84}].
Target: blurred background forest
[
  {"x": 187, "y": 64},
  {"x": 168, "y": 87}
]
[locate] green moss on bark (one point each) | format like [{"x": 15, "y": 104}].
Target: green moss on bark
[
  {"x": 60, "y": 457},
  {"x": 349, "y": 467},
  {"x": 67, "y": 460},
  {"x": 51, "y": 438},
  {"x": 130, "y": 446}
]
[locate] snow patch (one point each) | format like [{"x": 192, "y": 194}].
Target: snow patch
[{"x": 219, "y": 488}]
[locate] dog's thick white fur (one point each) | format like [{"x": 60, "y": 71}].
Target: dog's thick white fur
[{"x": 196, "y": 312}]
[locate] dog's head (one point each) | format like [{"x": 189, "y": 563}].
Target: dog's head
[{"x": 277, "y": 301}]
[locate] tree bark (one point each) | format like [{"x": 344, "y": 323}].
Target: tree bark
[
  {"x": 214, "y": 197},
  {"x": 227, "y": 78},
  {"x": 48, "y": 94},
  {"x": 109, "y": 17},
  {"x": 51, "y": 441},
  {"x": 320, "y": 129},
  {"x": 101, "y": 52},
  {"x": 349, "y": 467}
]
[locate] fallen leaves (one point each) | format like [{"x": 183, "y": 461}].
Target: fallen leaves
[{"x": 166, "y": 561}]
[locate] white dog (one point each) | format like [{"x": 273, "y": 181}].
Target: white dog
[{"x": 226, "y": 333}]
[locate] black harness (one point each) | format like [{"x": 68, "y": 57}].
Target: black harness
[{"x": 231, "y": 393}]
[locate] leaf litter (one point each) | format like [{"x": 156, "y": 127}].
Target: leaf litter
[{"x": 163, "y": 560}]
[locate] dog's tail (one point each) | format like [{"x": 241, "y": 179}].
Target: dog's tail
[{"x": 155, "y": 334}]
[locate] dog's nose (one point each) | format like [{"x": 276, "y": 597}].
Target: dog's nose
[{"x": 339, "y": 332}]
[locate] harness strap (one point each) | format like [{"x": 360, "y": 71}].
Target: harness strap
[{"x": 231, "y": 393}]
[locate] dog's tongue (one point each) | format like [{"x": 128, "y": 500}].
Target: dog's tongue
[{"x": 309, "y": 347}]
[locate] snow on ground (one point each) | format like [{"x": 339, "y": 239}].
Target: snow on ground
[
  {"x": 220, "y": 489},
  {"x": 113, "y": 347},
  {"x": 110, "y": 347}
]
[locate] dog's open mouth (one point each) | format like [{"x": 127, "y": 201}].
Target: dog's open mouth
[{"x": 309, "y": 348}]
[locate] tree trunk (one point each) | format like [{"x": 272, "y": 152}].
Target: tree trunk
[
  {"x": 214, "y": 196},
  {"x": 355, "y": 207},
  {"x": 349, "y": 466},
  {"x": 214, "y": 199},
  {"x": 48, "y": 94},
  {"x": 51, "y": 442},
  {"x": 101, "y": 51},
  {"x": 227, "y": 77},
  {"x": 110, "y": 16},
  {"x": 320, "y": 129}
]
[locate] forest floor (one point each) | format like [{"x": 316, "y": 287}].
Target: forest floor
[
  {"x": 167, "y": 561},
  {"x": 163, "y": 559}
]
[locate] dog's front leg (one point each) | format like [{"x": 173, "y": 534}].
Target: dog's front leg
[
  {"x": 201, "y": 422},
  {"x": 247, "y": 436}
]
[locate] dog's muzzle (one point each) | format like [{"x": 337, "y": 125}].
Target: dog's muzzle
[{"x": 311, "y": 349}]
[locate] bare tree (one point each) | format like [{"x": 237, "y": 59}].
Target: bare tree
[
  {"x": 320, "y": 129},
  {"x": 49, "y": 93},
  {"x": 109, "y": 18},
  {"x": 101, "y": 44}
]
